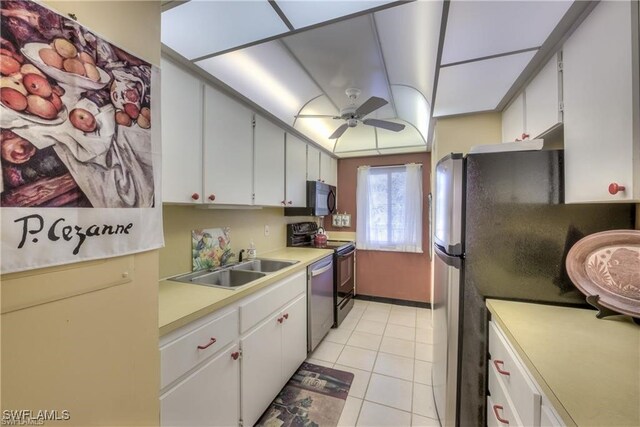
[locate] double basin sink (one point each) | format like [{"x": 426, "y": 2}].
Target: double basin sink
[{"x": 235, "y": 275}]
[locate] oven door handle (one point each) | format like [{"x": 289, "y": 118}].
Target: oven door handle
[
  {"x": 347, "y": 254},
  {"x": 318, "y": 272}
]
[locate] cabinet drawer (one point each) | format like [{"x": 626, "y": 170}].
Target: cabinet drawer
[
  {"x": 264, "y": 303},
  {"x": 517, "y": 383},
  {"x": 500, "y": 410},
  {"x": 179, "y": 356}
]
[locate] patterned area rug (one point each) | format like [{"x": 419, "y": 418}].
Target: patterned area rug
[{"x": 313, "y": 397}]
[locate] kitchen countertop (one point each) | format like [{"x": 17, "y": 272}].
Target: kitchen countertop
[
  {"x": 588, "y": 368},
  {"x": 182, "y": 303}
]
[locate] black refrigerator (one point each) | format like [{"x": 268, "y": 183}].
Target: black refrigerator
[{"x": 501, "y": 231}]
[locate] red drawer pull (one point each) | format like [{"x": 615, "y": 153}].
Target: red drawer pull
[
  {"x": 495, "y": 411},
  {"x": 499, "y": 369},
  {"x": 202, "y": 347},
  {"x": 235, "y": 355},
  {"x": 286, "y": 315},
  {"x": 280, "y": 319},
  {"x": 614, "y": 188}
]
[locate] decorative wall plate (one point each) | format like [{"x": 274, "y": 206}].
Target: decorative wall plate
[{"x": 607, "y": 264}]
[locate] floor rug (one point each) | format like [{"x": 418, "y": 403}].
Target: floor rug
[{"x": 313, "y": 397}]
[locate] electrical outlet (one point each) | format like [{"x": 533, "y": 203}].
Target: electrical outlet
[{"x": 266, "y": 230}]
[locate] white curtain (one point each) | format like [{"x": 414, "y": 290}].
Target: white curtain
[{"x": 399, "y": 227}]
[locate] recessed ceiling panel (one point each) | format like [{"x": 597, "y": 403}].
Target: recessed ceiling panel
[
  {"x": 476, "y": 29},
  {"x": 408, "y": 137},
  {"x": 200, "y": 28},
  {"x": 343, "y": 55},
  {"x": 303, "y": 13},
  {"x": 266, "y": 74},
  {"x": 319, "y": 129},
  {"x": 477, "y": 86},
  {"x": 356, "y": 139},
  {"x": 412, "y": 107},
  {"x": 409, "y": 37}
]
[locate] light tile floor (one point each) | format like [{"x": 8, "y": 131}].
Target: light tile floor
[{"x": 388, "y": 348}]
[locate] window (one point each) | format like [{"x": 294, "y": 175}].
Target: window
[{"x": 389, "y": 202}]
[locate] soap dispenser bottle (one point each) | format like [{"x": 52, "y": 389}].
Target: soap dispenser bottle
[{"x": 251, "y": 252}]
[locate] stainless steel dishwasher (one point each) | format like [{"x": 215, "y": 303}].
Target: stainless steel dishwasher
[{"x": 319, "y": 300}]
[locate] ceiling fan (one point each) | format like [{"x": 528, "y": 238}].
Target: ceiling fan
[{"x": 352, "y": 114}]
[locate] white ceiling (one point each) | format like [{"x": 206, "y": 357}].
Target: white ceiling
[{"x": 390, "y": 52}]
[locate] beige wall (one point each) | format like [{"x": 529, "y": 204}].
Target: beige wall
[
  {"x": 94, "y": 354},
  {"x": 246, "y": 225}
]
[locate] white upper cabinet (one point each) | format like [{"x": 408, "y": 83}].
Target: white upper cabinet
[
  {"x": 333, "y": 175},
  {"x": 313, "y": 163},
  {"x": 537, "y": 109},
  {"x": 513, "y": 120},
  {"x": 601, "y": 114},
  {"x": 296, "y": 172},
  {"x": 181, "y": 135},
  {"x": 268, "y": 180},
  {"x": 228, "y": 150},
  {"x": 543, "y": 100},
  {"x": 325, "y": 167}
]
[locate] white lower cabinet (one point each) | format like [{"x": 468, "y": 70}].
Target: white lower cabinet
[
  {"x": 230, "y": 365},
  {"x": 207, "y": 397},
  {"x": 294, "y": 336},
  {"x": 261, "y": 372},
  {"x": 515, "y": 399}
]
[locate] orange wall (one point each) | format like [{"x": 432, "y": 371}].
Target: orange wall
[{"x": 397, "y": 275}]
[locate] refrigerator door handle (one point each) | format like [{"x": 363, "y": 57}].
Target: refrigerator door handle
[{"x": 453, "y": 261}]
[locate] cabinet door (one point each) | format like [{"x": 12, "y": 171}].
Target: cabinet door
[
  {"x": 513, "y": 120},
  {"x": 296, "y": 182},
  {"x": 228, "y": 150},
  {"x": 261, "y": 368},
  {"x": 333, "y": 174},
  {"x": 313, "y": 163},
  {"x": 209, "y": 396},
  {"x": 268, "y": 179},
  {"x": 542, "y": 108},
  {"x": 600, "y": 107},
  {"x": 181, "y": 135},
  {"x": 325, "y": 167},
  {"x": 294, "y": 337}
]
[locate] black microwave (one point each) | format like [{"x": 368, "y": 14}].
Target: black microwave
[{"x": 321, "y": 201}]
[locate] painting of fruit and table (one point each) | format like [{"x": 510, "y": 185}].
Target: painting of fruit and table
[{"x": 75, "y": 115}]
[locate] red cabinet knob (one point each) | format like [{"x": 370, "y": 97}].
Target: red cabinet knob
[
  {"x": 284, "y": 202},
  {"x": 280, "y": 319},
  {"x": 614, "y": 188},
  {"x": 498, "y": 364},
  {"x": 290, "y": 202},
  {"x": 212, "y": 197},
  {"x": 496, "y": 408},
  {"x": 211, "y": 342},
  {"x": 286, "y": 315},
  {"x": 235, "y": 355},
  {"x": 195, "y": 196}
]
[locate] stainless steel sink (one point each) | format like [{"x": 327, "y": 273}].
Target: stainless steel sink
[
  {"x": 220, "y": 279},
  {"x": 236, "y": 275},
  {"x": 264, "y": 265}
]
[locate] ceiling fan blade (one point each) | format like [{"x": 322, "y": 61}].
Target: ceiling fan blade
[
  {"x": 338, "y": 132},
  {"x": 315, "y": 116},
  {"x": 396, "y": 127},
  {"x": 370, "y": 105}
]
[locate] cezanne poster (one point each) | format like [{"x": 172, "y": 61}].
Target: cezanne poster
[{"x": 80, "y": 143}]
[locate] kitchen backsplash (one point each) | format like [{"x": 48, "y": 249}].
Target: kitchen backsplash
[{"x": 211, "y": 248}]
